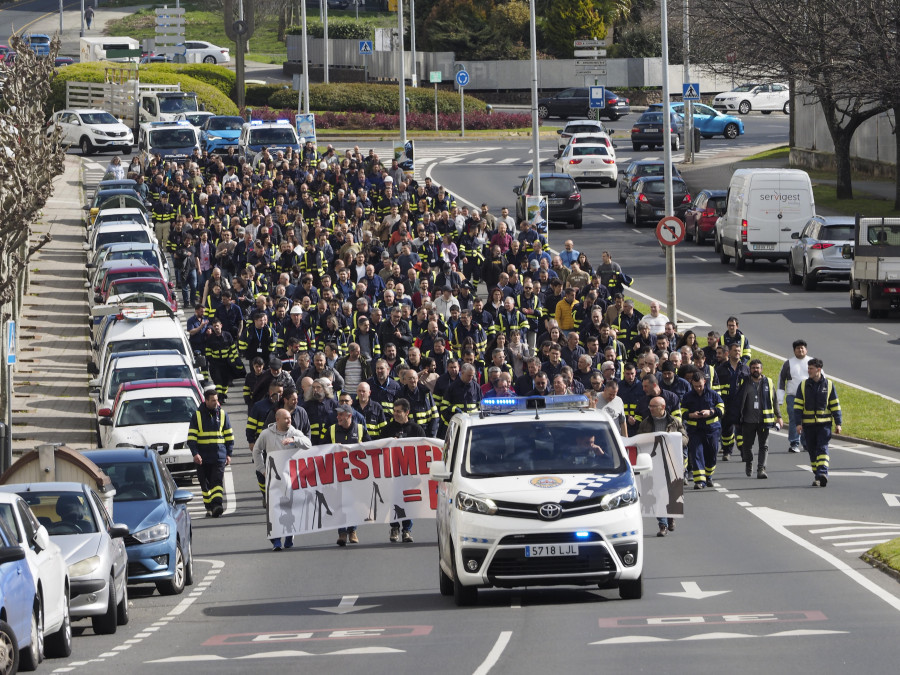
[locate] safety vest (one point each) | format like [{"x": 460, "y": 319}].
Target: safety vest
[
  {"x": 212, "y": 437},
  {"x": 708, "y": 400},
  {"x": 354, "y": 434},
  {"x": 817, "y": 415}
]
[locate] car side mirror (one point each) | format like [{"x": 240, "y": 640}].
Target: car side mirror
[
  {"x": 105, "y": 421},
  {"x": 183, "y": 496},
  {"x": 94, "y": 383},
  {"x": 559, "y": 132},
  {"x": 98, "y": 299},
  {"x": 118, "y": 531},
  {"x": 847, "y": 251},
  {"x": 643, "y": 464},
  {"x": 439, "y": 471},
  {"x": 41, "y": 538},
  {"x": 11, "y": 554},
  {"x": 517, "y": 189},
  {"x": 614, "y": 145},
  {"x": 795, "y": 235}
]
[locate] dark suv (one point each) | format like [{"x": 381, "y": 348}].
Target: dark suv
[
  {"x": 563, "y": 198},
  {"x": 575, "y": 102},
  {"x": 646, "y": 202},
  {"x": 643, "y": 167}
]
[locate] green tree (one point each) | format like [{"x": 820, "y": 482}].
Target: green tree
[{"x": 565, "y": 22}]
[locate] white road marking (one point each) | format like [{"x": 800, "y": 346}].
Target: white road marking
[
  {"x": 608, "y": 217},
  {"x": 508, "y": 160},
  {"x": 697, "y": 257},
  {"x": 846, "y": 528},
  {"x": 634, "y": 229},
  {"x": 875, "y": 330},
  {"x": 827, "y": 311},
  {"x": 494, "y": 655},
  {"x": 859, "y": 535},
  {"x": 736, "y": 274},
  {"x": 732, "y": 496},
  {"x": 452, "y": 160},
  {"x": 231, "y": 501},
  {"x": 777, "y": 290},
  {"x": 744, "y": 504},
  {"x": 879, "y": 459},
  {"x": 869, "y": 542},
  {"x": 693, "y": 592},
  {"x": 480, "y": 160},
  {"x": 637, "y": 639},
  {"x": 864, "y": 472}
]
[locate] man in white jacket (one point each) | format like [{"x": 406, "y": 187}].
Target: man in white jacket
[
  {"x": 281, "y": 435},
  {"x": 793, "y": 372}
]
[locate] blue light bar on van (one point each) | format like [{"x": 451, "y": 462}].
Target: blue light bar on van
[
  {"x": 256, "y": 122},
  {"x": 511, "y": 403}
]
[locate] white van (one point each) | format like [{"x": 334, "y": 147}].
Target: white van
[{"x": 765, "y": 206}]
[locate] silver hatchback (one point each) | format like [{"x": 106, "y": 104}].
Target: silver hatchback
[{"x": 816, "y": 253}]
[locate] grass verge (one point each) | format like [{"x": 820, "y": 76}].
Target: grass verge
[
  {"x": 857, "y": 405},
  {"x": 782, "y": 152},
  {"x": 887, "y": 553},
  {"x": 862, "y": 202}
]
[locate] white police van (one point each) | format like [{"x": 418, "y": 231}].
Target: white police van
[
  {"x": 537, "y": 492},
  {"x": 172, "y": 141},
  {"x": 277, "y": 135}
]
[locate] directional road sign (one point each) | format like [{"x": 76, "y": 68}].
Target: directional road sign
[
  {"x": 434, "y": 76},
  {"x": 590, "y": 62},
  {"x": 366, "y": 47},
  {"x": 590, "y": 52},
  {"x": 670, "y": 231},
  {"x": 597, "y": 97},
  {"x": 590, "y": 43},
  {"x": 462, "y": 78},
  {"x": 591, "y": 71},
  {"x": 10, "y": 343},
  {"x": 690, "y": 91}
]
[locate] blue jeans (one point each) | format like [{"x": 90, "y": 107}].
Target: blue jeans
[
  {"x": 288, "y": 542},
  {"x": 347, "y": 530},
  {"x": 189, "y": 287},
  {"x": 793, "y": 437},
  {"x": 407, "y": 525}
]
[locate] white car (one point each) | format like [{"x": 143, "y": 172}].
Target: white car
[
  {"x": 195, "y": 118},
  {"x": 525, "y": 497},
  {"x": 198, "y": 50},
  {"x": 588, "y": 162},
  {"x": 115, "y": 233},
  {"x": 125, "y": 215},
  {"x": 51, "y": 627},
  {"x": 762, "y": 97},
  {"x": 92, "y": 130},
  {"x": 92, "y": 545},
  {"x": 154, "y": 414},
  {"x": 574, "y": 127}
]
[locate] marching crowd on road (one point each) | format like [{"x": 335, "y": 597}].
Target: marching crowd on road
[{"x": 356, "y": 304}]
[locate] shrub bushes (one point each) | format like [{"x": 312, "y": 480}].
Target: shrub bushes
[
  {"x": 217, "y": 76},
  {"x": 415, "y": 121},
  {"x": 375, "y": 98},
  {"x": 338, "y": 29}
]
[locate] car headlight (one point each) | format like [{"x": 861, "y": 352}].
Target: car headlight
[
  {"x": 212, "y": 137},
  {"x": 619, "y": 498},
  {"x": 98, "y": 132},
  {"x": 155, "y": 533},
  {"x": 472, "y": 504},
  {"x": 84, "y": 567}
]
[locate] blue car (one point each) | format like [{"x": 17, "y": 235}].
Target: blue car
[
  {"x": 39, "y": 43},
  {"x": 220, "y": 132},
  {"x": 16, "y": 600},
  {"x": 155, "y": 510},
  {"x": 709, "y": 121}
]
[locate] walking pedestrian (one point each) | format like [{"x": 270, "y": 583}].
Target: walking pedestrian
[
  {"x": 211, "y": 441},
  {"x": 816, "y": 404},
  {"x": 701, "y": 410},
  {"x": 660, "y": 421},
  {"x": 793, "y": 371},
  {"x": 756, "y": 414},
  {"x": 89, "y": 16}
]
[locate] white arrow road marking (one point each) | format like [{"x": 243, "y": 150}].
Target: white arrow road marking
[
  {"x": 494, "y": 655},
  {"x": 879, "y": 459},
  {"x": 892, "y": 500},
  {"x": 637, "y": 639},
  {"x": 345, "y": 606},
  {"x": 692, "y": 591},
  {"x": 188, "y": 659},
  {"x": 777, "y": 290},
  {"x": 864, "y": 472}
]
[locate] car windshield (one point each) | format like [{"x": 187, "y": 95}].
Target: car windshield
[
  {"x": 273, "y": 136},
  {"x": 225, "y": 124},
  {"x": 177, "y": 104},
  {"x": 6, "y": 515},
  {"x": 146, "y": 344},
  {"x": 147, "y": 255},
  {"x": 172, "y": 138},
  {"x": 128, "y": 287},
  {"x": 98, "y": 118},
  {"x": 134, "y": 481},
  {"x": 578, "y": 150},
  {"x": 716, "y": 202},
  {"x": 141, "y": 236},
  {"x": 543, "y": 446},
  {"x": 102, "y": 219},
  {"x": 659, "y": 187},
  {"x": 178, "y": 371},
  {"x": 838, "y": 232},
  {"x": 583, "y": 128},
  {"x": 650, "y": 169},
  {"x": 558, "y": 185},
  {"x": 745, "y": 87},
  {"x": 62, "y": 512},
  {"x": 162, "y": 410},
  {"x": 651, "y": 118}
]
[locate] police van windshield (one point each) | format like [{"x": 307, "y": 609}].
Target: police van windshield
[
  {"x": 543, "y": 446},
  {"x": 172, "y": 138},
  {"x": 273, "y": 136}
]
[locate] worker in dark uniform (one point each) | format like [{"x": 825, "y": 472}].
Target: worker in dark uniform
[
  {"x": 757, "y": 413},
  {"x": 347, "y": 432},
  {"x": 211, "y": 441},
  {"x": 401, "y": 426},
  {"x": 701, "y": 410},
  {"x": 733, "y": 336},
  {"x": 422, "y": 409},
  {"x": 321, "y": 408},
  {"x": 222, "y": 357},
  {"x": 258, "y": 339},
  {"x": 463, "y": 394},
  {"x": 731, "y": 376},
  {"x": 816, "y": 404}
]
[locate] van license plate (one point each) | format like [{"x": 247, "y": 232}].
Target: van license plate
[
  {"x": 763, "y": 247},
  {"x": 551, "y": 550}
]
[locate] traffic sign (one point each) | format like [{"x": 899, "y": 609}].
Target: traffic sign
[
  {"x": 590, "y": 62},
  {"x": 690, "y": 91},
  {"x": 597, "y": 97},
  {"x": 10, "y": 343},
  {"x": 590, "y": 52},
  {"x": 435, "y": 76},
  {"x": 366, "y": 47},
  {"x": 591, "y": 71},
  {"x": 462, "y": 78},
  {"x": 590, "y": 43},
  {"x": 670, "y": 231}
]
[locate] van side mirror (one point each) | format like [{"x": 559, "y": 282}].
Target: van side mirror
[{"x": 847, "y": 251}]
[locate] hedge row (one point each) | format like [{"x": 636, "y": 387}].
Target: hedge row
[
  {"x": 338, "y": 29},
  {"x": 415, "y": 121},
  {"x": 213, "y": 97},
  {"x": 371, "y": 98}
]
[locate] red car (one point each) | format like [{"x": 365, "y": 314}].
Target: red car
[
  {"x": 146, "y": 285},
  {"x": 128, "y": 271},
  {"x": 700, "y": 218}
]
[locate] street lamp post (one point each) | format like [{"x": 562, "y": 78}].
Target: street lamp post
[
  {"x": 325, "y": 37},
  {"x": 402, "y": 72},
  {"x": 667, "y": 159},
  {"x": 413, "y": 78},
  {"x": 535, "y": 137},
  {"x": 81, "y": 34},
  {"x": 304, "y": 87}
]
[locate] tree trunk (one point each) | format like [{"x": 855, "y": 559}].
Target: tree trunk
[
  {"x": 842, "y": 137},
  {"x": 897, "y": 162}
]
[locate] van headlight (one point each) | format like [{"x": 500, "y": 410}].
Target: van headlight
[
  {"x": 619, "y": 498},
  {"x": 472, "y": 504}
]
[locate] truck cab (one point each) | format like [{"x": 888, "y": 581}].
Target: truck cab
[
  {"x": 875, "y": 273},
  {"x": 173, "y": 141},
  {"x": 163, "y": 106}
]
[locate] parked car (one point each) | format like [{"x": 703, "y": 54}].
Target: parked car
[
  {"x": 39, "y": 43},
  {"x": 762, "y": 97},
  {"x": 155, "y": 509},
  {"x": 588, "y": 163},
  {"x": 79, "y": 524},
  {"x": 578, "y": 127},
  {"x": 62, "y": 61},
  {"x": 149, "y": 253},
  {"x": 145, "y": 286},
  {"x": 4, "y": 50},
  {"x": 220, "y": 132},
  {"x": 637, "y": 169},
  {"x": 595, "y": 138},
  {"x": 649, "y": 130},
  {"x": 17, "y": 593},
  {"x": 563, "y": 198},
  {"x": 51, "y": 627},
  {"x": 115, "y": 233},
  {"x": 709, "y": 121},
  {"x": 195, "y": 118},
  {"x": 92, "y": 130},
  {"x": 121, "y": 269},
  {"x": 575, "y": 102},
  {"x": 817, "y": 252},
  {"x": 646, "y": 202},
  {"x": 700, "y": 218},
  {"x": 206, "y": 52}
]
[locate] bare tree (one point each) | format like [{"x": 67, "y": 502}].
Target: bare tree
[{"x": 29, "y": 161}]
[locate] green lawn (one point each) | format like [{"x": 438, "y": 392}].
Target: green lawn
[
  {"x": 862, "y": 202},
  {"x": 856, "y": 405},
  {"x": 888, "y": 553},
  {"x": 782, "y": 152}
]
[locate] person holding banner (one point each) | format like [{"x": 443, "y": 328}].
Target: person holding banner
[
  {"x": 402, "y": 427},
  {"x": 347, "y": 432},
  {"x": 661, "y": 421},
  {"x": 280, "y": 435}
]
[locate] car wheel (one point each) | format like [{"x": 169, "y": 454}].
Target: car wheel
[
  {"x": 809, "y": 279},
  {"x": 85, "y": 145},
  {"x": 628, "y": 217},
  {"x": 740, "y": 262},
  {"x": 209, "y": 59},
  {"x": 731, "y": 131},
  {"x": 591, "y": 114},
  {"x": 636, "y": 146},
  {"x": 744, "y": 107},
  {"x": 30, "y": 657},
  {"x": 126, "y": 151},
  {"x": 855, "y": 301},
  {"x": 613, "y": 117},
  {"x": 871, "y": 312},
  {"x": 633, "y": 589},
  {"x": 122, "y": 616},
  {"x": 105, "y": 624},
  {"x": 9, "y": 649},
  {"x": 59, "y": 645},
  {"x": 723, "y": 257},
  {"x": 793, "y": 278},
  {"x": 675, "y": 143},
  {"x": 175, "y": 585},
  {"x": 189, "y": 565},
  {"x": 621, "y": 197},
  {"x": 446, "y": 583},
  {"x": 698, "y": 237},
  {"x": 579, "y": 223},
  {"x": 787, "y": 108},
  {"x": 543, "y": 112},
  {"x": 766, "y": 112},
  {"x": 464, "y": 596}
]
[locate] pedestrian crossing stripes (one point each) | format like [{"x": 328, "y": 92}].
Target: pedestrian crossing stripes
[{"x": 856, "y": 538}]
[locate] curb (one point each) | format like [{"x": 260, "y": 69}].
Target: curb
[{"x": 880, "y": 565}]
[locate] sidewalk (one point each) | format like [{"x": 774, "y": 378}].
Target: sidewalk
[{"x": 50, "y": 394}]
